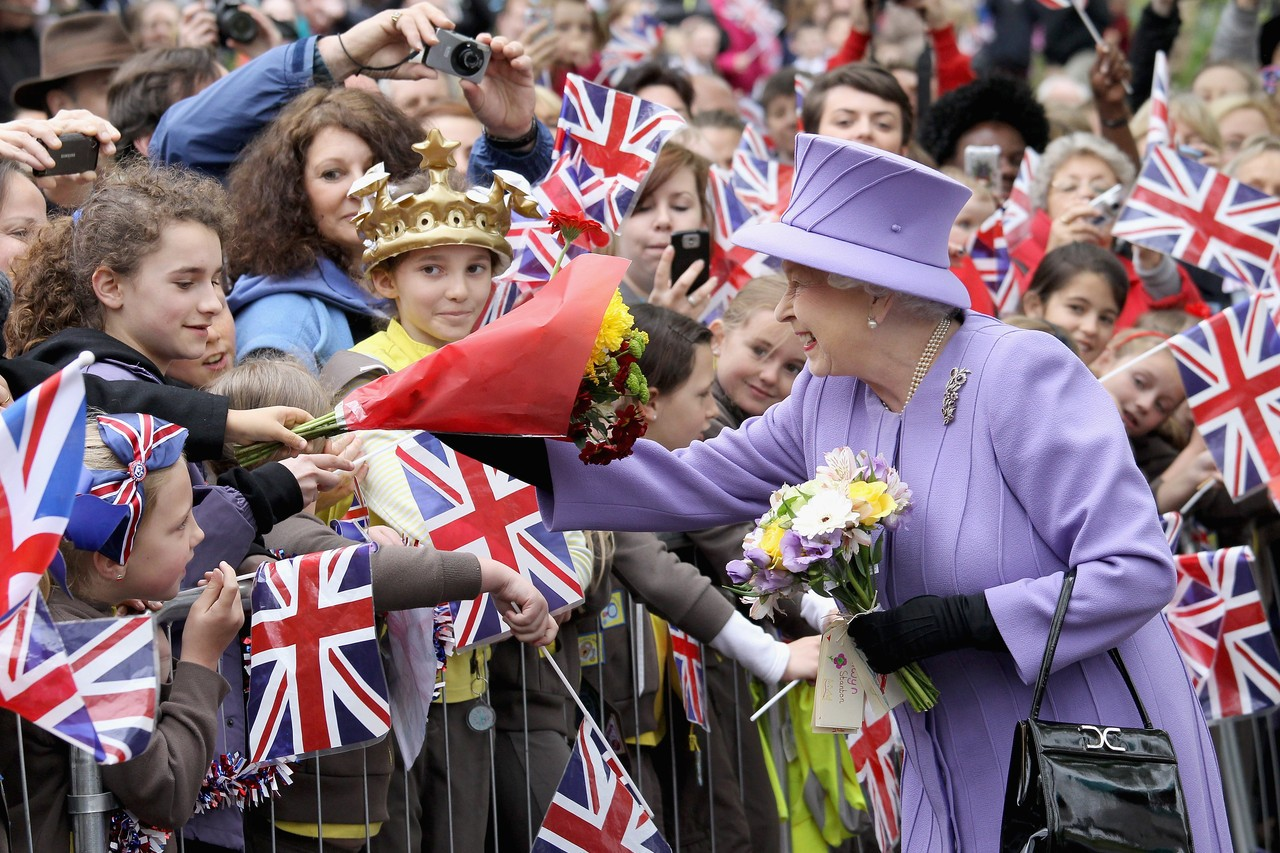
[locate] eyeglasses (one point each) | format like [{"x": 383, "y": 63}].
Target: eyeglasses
[{"x": 1070, "y": 187}]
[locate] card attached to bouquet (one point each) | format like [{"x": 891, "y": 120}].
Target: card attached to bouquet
[{"x": 839, "y": 695}]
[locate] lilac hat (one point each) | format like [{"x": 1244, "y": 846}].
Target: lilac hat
[{"x": 868, "y": 214}]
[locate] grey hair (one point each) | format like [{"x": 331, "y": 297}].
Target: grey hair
[
  {"x": 908, "y": 303},
  {"x": 1064, "y": 148}
]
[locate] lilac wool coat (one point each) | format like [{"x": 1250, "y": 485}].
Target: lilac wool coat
[{"x": 1033, "y": 476}]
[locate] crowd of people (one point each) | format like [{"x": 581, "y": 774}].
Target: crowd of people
[{"x": 211, "y": 256}]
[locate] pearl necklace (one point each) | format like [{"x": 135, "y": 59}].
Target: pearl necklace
[{"x": 927, "y": 357}]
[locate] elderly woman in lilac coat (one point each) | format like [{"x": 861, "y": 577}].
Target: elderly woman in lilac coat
[{"x": 1020, "y": 470}]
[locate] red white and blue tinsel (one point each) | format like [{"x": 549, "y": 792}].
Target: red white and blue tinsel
[
  {"x": 129, "y": 835},
  {"x": 232, "y": 781}
]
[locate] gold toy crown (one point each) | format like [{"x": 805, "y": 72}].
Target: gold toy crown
[{"x": 439, "y": 216}]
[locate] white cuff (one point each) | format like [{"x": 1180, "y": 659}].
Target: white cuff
[
  {"x": 750, "y": 645},
  {"x": 814, "y": 608}
]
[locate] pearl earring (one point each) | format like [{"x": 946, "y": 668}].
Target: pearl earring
[
  {"x": 120, "y": 576},
  {"x": 871, "y": 322}
]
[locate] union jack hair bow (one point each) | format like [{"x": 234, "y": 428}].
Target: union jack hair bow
[{"x": 109, "y": 503}]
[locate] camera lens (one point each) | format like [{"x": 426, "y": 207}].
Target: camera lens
[
  {"x": 467, "y": 59},
  {"x": 236, "y": 25}
]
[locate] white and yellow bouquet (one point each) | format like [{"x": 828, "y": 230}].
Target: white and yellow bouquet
[{"x": 828, "y": 535}]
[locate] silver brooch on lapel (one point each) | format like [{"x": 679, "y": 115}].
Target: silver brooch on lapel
[{"x": 959, "y": 376}]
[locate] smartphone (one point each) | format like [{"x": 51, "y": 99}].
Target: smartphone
[
  {"x": 691, "y": 246},
  {"x": 1108, "y": 205},
  {"x": 982, "y": 163},
  {"x": 79, "y": 153}
]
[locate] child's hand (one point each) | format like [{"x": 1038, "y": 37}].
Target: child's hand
[
  {"x": 214, "y": 620},
  {"x": 803, "y": 660},
  {"x": 520, "y": 604},
  {"x": 273, "y": 423},
  {"x": 349, "y": 447},
  {"x": 384, "y": 536},
  {"x": 316, "y": 472}
]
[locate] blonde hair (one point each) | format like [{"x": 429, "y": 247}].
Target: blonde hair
[
  {"x": 278, "y": 381},
  {"x": 759, "y": 294},
  {"x": 1189, "y": 112}
]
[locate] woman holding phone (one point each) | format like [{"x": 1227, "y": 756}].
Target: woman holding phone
[
  {"x": 1069, "y": 201},
  {"x": 671, "y": 201}
]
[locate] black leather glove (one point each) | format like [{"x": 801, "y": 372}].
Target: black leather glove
[
  {"x": 925, "y": 626},
  {"x": 522, "y": 457}
]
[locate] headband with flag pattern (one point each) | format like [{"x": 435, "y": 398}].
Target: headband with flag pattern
[{"x": 109, "y": 503}]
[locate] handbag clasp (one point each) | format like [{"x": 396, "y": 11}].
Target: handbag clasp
[{"x": 1103, "y": 736}]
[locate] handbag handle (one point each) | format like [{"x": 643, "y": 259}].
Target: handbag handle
[{"x": 1046, "y": 663}]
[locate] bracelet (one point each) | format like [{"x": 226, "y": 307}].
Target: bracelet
[
  {"x": 363, "y": 69},
  {"x": 502, "y": 143},
  {"x": 1113, "y": 123}
]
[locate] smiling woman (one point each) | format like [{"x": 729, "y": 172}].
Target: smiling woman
[{"x": 296, "y": 252}]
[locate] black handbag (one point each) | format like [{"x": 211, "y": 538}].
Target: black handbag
[{"x": 1091, "y": 787}]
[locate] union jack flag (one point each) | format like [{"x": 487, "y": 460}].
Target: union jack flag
[
  {"x": 762, "y": 185},
  {"x": 1230, "y": 366},
  {"x": 37, "y": 682},
  {"x": 630, "y": 43},
  {"x": 1199, "y": 215},
  {"x": 687, "y": 654},
  {"x": 462, "y": 505},
  {"x": 114, "y": 662},
  {"x": 803, "y": 84},
  {"x": 354, "y": 524},
  {"x": 315, "y": 676},
  {"x": 596, "y": 807},
  {"x": 1221, "y": 629},
  {"x": 41, "y": 455},
  {"x": 733, "y": 265},
  {"x": 535, "y": 246},
  {"x": 1158, "y": 124},
  {"x": 990, "y": 252},
  {"x": 753, "y": 141},
  {"x": 1018, "y": 209},
  {"x": 617, "y": 137},
  {"x": 1172, "y": 524},
  {"x": 874, "y": 749}
]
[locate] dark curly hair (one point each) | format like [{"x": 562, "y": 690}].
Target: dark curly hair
[
  {"x": 1003, "y": 99},
  {"x": 118, "y": 225},
  {"x": 276, "y": 231}
]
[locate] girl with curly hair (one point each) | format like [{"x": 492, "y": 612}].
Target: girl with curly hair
[{"x": 295, "y": 252}]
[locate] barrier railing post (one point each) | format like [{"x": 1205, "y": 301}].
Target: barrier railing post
[
  {"x": 88, "y": 804},
  {"x": 1239, "y": 810}
]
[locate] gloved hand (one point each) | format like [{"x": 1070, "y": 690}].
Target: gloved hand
[
  {"x": 925, "y": 626},
  {"x": 522, "y": 457}
]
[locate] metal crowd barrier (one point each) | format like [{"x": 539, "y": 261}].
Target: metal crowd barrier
[{"x": 1247, "y": 748}]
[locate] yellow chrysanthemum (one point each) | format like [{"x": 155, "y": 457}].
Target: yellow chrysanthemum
[
  {"x": 871, "y": 500},
  {"x": 613, "y": 330}
]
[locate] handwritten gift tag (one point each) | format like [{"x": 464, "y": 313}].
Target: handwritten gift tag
[{"x": 839, "y": 694}]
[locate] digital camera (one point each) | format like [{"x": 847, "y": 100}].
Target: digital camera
[
  {"x": 234, "y": 23},
  {"x": 458, "y": 55}
]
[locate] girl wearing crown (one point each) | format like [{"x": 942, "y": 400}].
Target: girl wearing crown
[{"x": 432, "y": 249}]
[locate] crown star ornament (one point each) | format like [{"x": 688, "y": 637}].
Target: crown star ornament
[{"x": 438, "y": 216}]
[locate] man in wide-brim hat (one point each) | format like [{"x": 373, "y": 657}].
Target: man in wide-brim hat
[{"x": 78, "y": 55}]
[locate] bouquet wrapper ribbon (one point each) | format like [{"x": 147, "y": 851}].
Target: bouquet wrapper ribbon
[{"x": 518, "y": 375}]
